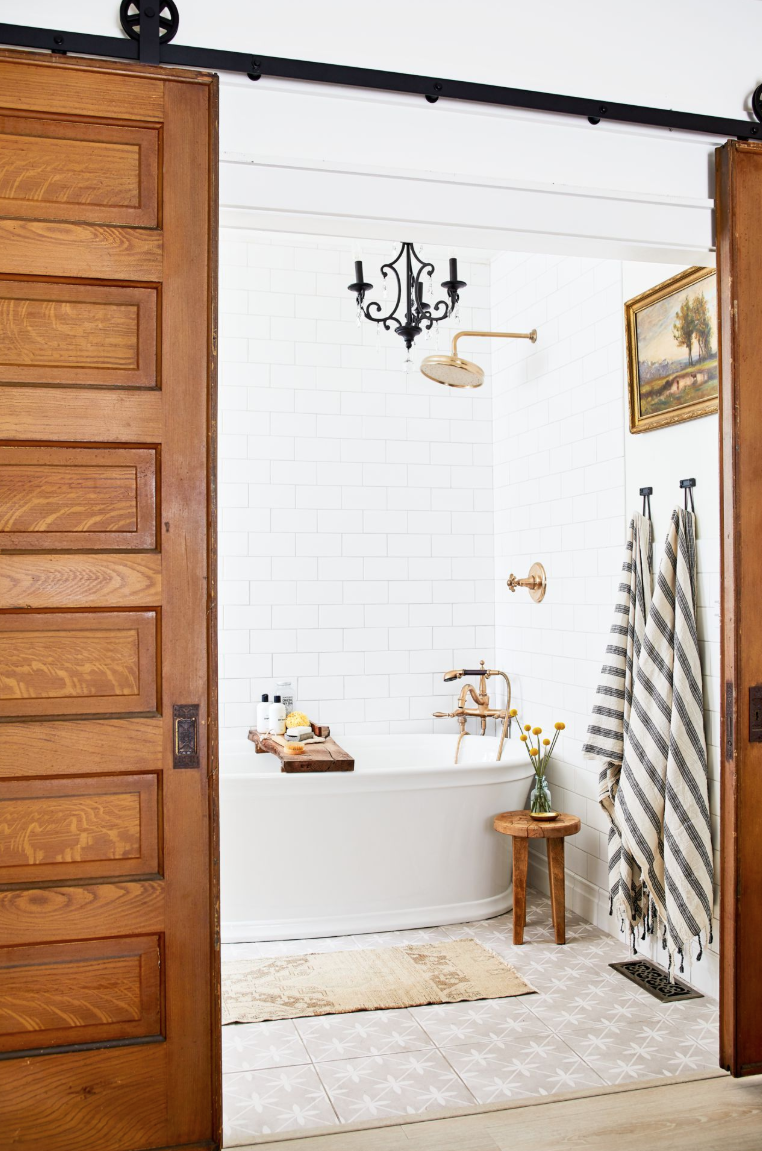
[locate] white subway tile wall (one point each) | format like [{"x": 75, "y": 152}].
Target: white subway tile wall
[
  {"x": 356, "y": 533},
  {"x": 560, "y": 444},
  {"x": 366, "y": 533}
]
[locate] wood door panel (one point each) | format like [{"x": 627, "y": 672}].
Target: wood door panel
[
  {"x": 79, "y": 828},
  {"x": 85, "y": 911},
  {"x": 98, "y": 173},
  {"x": 75, "y": 748},
  {"x": 112, "y": 1100},
  {"x": 64, "y": 90},
  {"x": 50, "y": 248},
  {"x": 77, "y": 334},
  {"x": 81, "y": 414},
  {"x": 77, "y": 498},
  {"x": 52, "y": 995},
  {"x": 77, "y": 581},
  {"x": 107, "y": 576},
  {"x": 77, "y": 663}
]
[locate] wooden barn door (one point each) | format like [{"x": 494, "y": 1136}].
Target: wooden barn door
[
  {"x": 107, "y": 965},
  {"x": 739, "y": 251}
]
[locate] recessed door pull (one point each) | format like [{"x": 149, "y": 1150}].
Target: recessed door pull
[{"x": 185, "y": 735}]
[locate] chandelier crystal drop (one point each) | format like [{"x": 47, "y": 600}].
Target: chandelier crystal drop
[{"x": 410, "y": 314}]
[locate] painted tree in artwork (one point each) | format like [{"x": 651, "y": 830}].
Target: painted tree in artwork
[
  {"x": 702, "y": 324},
  {"x": 684, "y": 327}
]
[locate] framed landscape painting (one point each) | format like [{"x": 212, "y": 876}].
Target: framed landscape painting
[{"x": 672, "y": 351}]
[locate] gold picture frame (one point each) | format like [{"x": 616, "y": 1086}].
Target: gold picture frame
[{"x": 666, "y": 387}]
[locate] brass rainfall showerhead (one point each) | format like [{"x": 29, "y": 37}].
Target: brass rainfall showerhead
[{"x": 458, "y": 373}]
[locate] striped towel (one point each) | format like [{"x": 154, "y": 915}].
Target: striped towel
[
  {"x": 662, "y": 804},
  {"x": 613, "y": 700}
]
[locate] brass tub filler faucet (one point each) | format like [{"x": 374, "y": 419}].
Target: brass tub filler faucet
[{"x": 482, "y": 710}]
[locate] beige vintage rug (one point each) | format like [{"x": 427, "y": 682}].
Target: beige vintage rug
[{"x": 293, "y": 986}]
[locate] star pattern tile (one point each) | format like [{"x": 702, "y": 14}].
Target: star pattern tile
[{"x": 586, "y": 1026}]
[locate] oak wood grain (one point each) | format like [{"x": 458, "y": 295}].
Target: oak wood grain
[
  {"x": 186, "y": 347},
  {"x": 65, "y": 829},
  {"x": 85, "y": 911},
  {"x": 77, "y": 498},
  {"x": 85, "y": 415},
  {"x": 76, "y": 581},
  {"x": 79, "y": 747},
  {"x": 77, "y": 663},
  {"x": 77, "y": 334},
  {"x": 177, "y": 1102},
  {"x": 94, "y": 173},
  {"x": 738, "y": 206},
  {"x": 115, "y": 1099},
  {"x": 50, "y": 248},
  {"x": 96, "y": 991},
  {"x": 31, "y": 86}
]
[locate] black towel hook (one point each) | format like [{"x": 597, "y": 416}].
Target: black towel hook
[
  {"x": 646, "y": 494},
  {"x": 688, "y": 486}
]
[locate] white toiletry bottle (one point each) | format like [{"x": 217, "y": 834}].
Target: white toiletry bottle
[
  {"x": 263, "y": 715},
  {"x": 277, "y": 717},
  {"x": 285, "y": 689}
]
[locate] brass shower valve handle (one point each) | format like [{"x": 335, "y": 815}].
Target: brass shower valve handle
[{"x": 536, "y": 582}]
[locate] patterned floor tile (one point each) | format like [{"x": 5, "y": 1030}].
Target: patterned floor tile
[
  {"x": 540, "y": 1065},
  {"x": 573, "y": 1009},
  {"x": 253, "y": 1046},
  {"x": 361, "y": 1033},
  {"x": 393, "y": 1085},
  {"x": 644, "y": 1050},
  {"x": 267, "y": 1102},
  {"x": 499, "y": 1020}
]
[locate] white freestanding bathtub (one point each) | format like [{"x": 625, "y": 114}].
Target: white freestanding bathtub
[{"x": 405, "y": 840}]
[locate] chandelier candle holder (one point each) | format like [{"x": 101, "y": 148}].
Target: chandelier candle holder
[{"x": 410, "y": 313}]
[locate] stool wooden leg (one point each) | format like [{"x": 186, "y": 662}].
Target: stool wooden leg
[
  {"x": 557, "y": 875},
  {"x": 520, "y": 861}
]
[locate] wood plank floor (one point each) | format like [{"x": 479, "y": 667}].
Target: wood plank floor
[{"x": 705, "y": 1113}]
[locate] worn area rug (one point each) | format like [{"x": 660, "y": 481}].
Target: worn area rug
[{"x": 332, "y": 983}]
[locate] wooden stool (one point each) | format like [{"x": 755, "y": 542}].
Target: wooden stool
[{"x": 522, "y": 827}]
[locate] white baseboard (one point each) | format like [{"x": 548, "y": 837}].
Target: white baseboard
[
  {"x": 364, "y": 922},
  {"x": 587, "y": 900}
]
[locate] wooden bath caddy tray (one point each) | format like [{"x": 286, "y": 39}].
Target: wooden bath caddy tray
[{"x": 326, "y": 756}]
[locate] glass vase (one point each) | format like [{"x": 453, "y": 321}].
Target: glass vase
[{"x": 539, "y": 797}]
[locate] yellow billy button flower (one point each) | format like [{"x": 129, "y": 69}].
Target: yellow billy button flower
[
  {"x": 523, "y": 737},
  {"x": 527, "y": 727},
  {"x": 534, "y": 751},
  {"x": 546, "y": 742},
  {"x": 536, "y": 731},
  {"x": 513, "y": 713},
  {"x": 559, "y": 726}
]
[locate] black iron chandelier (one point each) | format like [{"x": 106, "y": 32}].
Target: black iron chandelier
[{"x": 418, "y": 315}]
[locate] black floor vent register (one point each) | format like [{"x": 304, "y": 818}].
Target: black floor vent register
[{"x": 655, "y": 980}]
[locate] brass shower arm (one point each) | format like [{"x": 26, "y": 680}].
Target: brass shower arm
[{"x": 500, "y": 335}]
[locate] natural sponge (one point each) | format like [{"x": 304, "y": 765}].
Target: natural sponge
[{"x": 297, "y": 719}]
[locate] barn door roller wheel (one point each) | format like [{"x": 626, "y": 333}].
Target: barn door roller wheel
[{"x": 131, "y": 11}]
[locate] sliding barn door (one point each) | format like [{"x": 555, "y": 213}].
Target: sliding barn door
[
  {"x": 107, "y": 968},
  {"x": 739, "y": 247}
]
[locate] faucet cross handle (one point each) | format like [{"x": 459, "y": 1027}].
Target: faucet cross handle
[{"x": 536, "y": 582}]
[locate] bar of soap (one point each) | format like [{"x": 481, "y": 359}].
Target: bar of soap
[{"x": 299, "y": 733}]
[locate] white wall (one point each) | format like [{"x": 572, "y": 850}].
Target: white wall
[
  {"x": 567, "y": 473},
  {"x": 610, "y": 52},
  {"x": 355, "y": 499}
]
